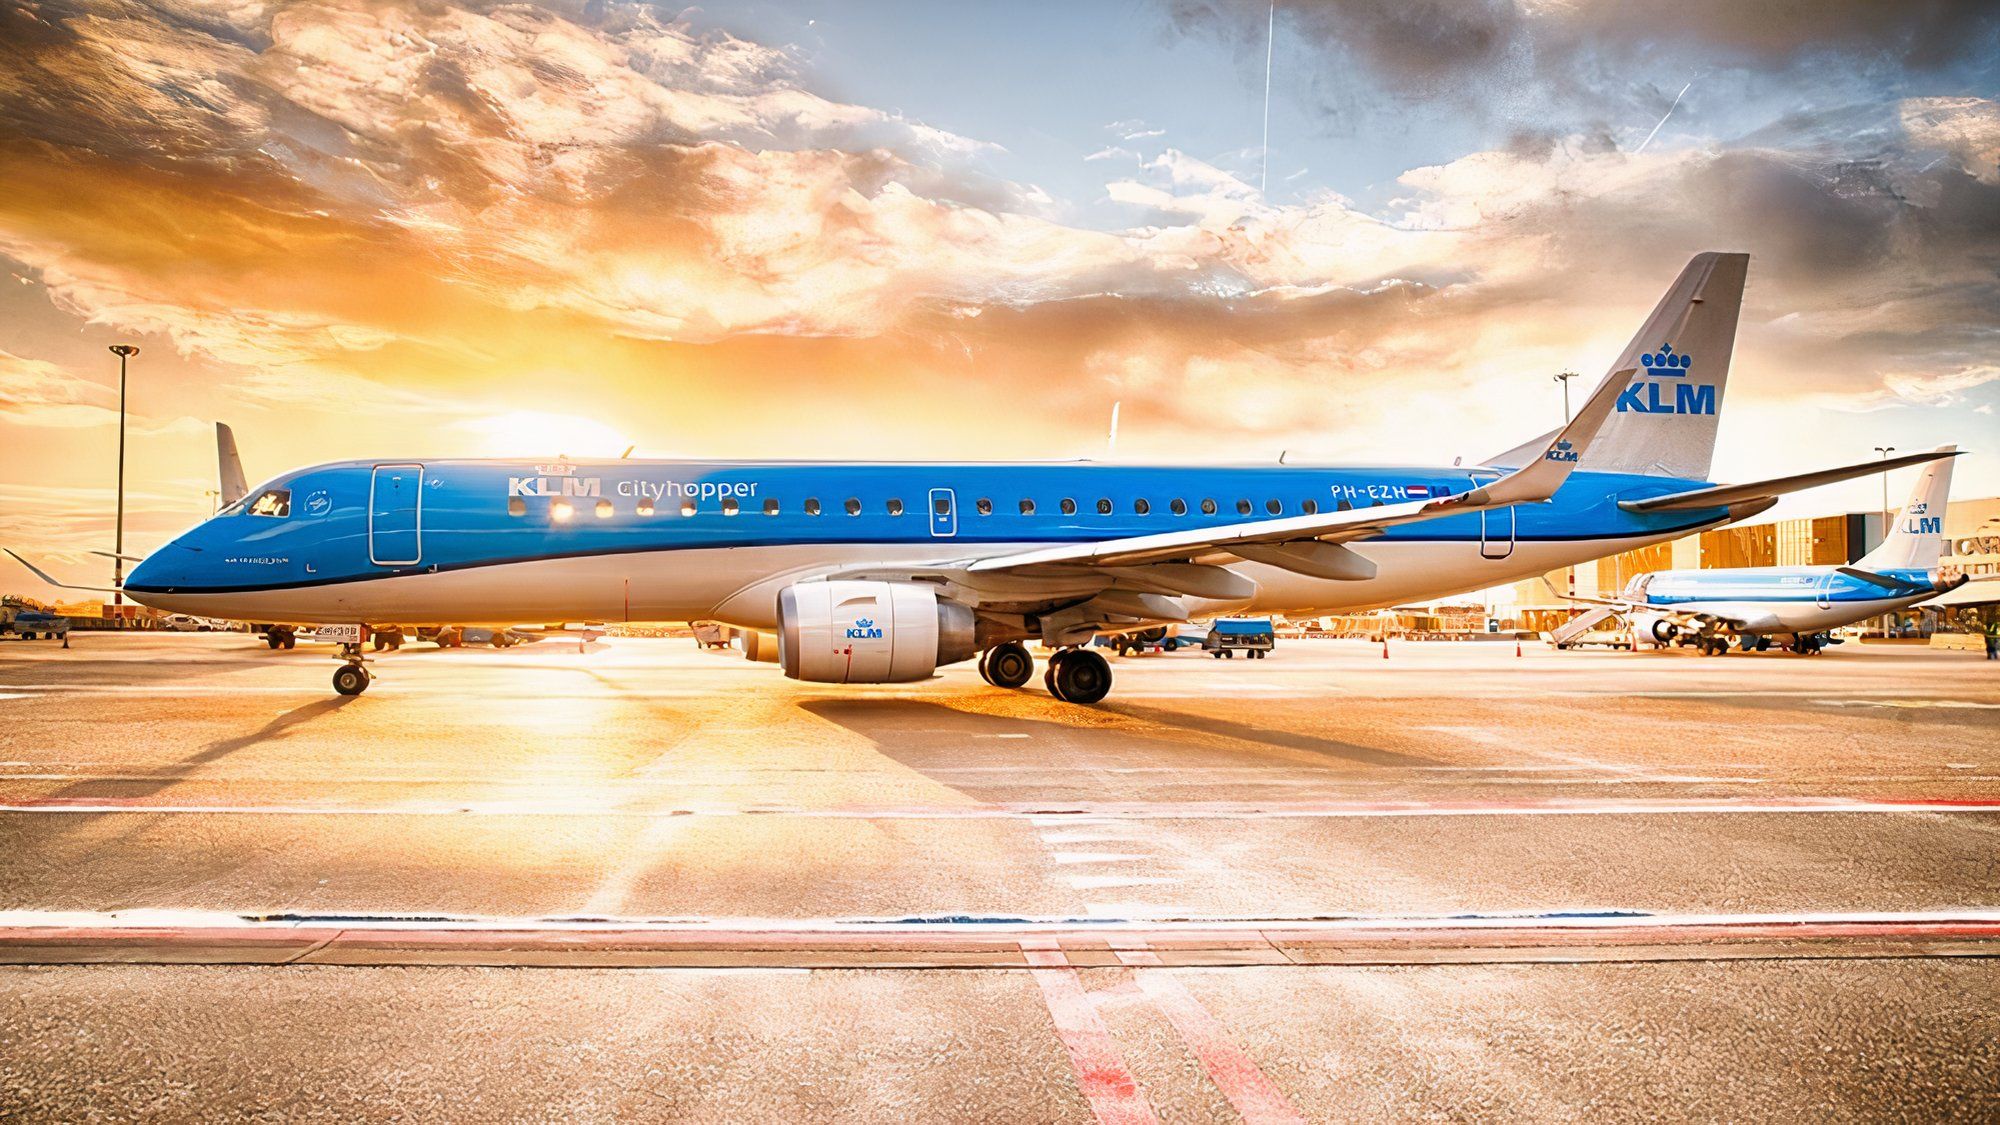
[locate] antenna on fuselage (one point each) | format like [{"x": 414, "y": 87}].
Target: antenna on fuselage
[
  {"x": 628, "y": 452},
  {"x": 1111, "y": 439}
]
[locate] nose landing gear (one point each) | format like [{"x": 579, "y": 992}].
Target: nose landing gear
[{"x": 352, "y": 677}]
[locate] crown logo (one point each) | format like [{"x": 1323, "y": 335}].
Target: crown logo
[
  {"x": 864, "y": 623},
  {"x": 1664, "y": 364}
]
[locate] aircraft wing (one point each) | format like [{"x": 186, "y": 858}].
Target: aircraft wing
[{"x": 1725, "y": 495}]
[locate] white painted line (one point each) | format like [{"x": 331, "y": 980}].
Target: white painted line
[
  {"x": 1097, "y": 857},
  {"x": 1105, "y": 882}
]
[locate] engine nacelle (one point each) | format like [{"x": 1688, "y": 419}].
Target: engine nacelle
[
  {"x": 1663, "y": 630},
  {"x": 869, "y": 632}
]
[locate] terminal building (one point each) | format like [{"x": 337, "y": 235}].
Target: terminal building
[{"x": 1972, "y": 547}]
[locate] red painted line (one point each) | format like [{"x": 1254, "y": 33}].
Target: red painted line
[
  {"x": 1233, "y": 1071},
  {"x": 1113, "y": 1093}
]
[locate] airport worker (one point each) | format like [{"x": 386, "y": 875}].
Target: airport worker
[{"x": 1993, "y": 635}]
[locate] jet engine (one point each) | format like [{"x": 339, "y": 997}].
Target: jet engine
[
  {"x": 1663, "y": 630},
  {"x": 869, "y": 632}
]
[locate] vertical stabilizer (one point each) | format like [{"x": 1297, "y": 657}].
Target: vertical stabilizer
[
  {"x": 229, "y": 482},
  {"x": 1916, "y": 540},
  {"x": 1663, "y": 423}
]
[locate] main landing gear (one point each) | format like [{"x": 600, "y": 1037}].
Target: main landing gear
[
  {"x": 1074, "y": 675},
  {"x": 1078, "y": 675},
  {"x": 351, "y": 678},
  {"x": 1007, "y": 666}
]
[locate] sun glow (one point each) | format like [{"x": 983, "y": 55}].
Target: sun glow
[{"x": 534, "y": 433}]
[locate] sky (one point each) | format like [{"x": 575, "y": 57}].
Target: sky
[{"x": 863, "y": 230}]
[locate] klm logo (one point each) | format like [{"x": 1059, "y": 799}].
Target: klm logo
[
  {"x": 1562, "y": 452},
  {"x": 1653, "y": 398},
  {"x": 561, "y": 486},
  {"x": 864, "y": 629},
  {"x": 1926, "y": 525}
]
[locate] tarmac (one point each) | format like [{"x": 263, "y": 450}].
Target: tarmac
[{"x": 631, "y": 879}]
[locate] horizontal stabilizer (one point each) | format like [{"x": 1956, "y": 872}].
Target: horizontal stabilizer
[
  {"x": 1887, "y": 582},
  {"x": 1724, "y": 495}
]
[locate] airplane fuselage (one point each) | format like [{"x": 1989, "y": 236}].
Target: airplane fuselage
[
  {"x": 1779, "y": 600},
  {"x": 495, "y": 542}
]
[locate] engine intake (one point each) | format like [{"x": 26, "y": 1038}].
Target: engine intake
[{"x": 869, "y": 632}]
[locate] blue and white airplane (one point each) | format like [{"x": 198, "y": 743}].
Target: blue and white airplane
[
  {"x": 1796, "y": 606},
  {"x": 880, "y": 572}
]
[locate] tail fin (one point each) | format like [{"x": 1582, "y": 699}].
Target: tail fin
[
  {"x": 1665, "y": 418},
  {"x": 1916, "y": 540},
  {"x": 229, "y": 480}
]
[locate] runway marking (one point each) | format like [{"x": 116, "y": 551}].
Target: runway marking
[
  {"x": 1911, "y": 704},
  {"x": 1114, "y": 1095},
  {"x": 1105, "y": 882},
  {"x": 1044, "y": 814},
  {"x": 1253, "y": 1095},
  {"x": 1095, "y": 857}
]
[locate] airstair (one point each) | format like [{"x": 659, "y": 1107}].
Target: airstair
[{"x": 1564, "y": 634}]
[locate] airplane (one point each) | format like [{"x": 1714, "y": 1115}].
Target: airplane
[
  {"x": 1794, "y": 606},
  {"x": 880, "y": 572}
]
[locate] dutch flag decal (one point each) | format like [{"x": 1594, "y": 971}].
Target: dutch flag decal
[{"x": 1422, "y": 490}]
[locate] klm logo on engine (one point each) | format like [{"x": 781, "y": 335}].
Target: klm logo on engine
[
  {"x": 864, "y": 629},
  {"x": 1649, "y": 397}
]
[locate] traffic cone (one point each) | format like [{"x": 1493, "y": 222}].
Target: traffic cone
[
  {"x": 1517, "y": 646},
  {"x": 1385, "y": 646}
]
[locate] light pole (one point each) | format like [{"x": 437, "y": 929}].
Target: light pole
[
  {"x": 123, "y": 352},
  {"x": 1564, "y": 379},
  {"x": 1883, "y": 451}
]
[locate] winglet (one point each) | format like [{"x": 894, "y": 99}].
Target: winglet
[
  {"x": 229, "y": 481},
  {"x": 44, "y": 576},
  {"x": 1539, "y": 480}
]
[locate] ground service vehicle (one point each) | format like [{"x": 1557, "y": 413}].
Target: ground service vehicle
[{"x": 1251, "y": 636}]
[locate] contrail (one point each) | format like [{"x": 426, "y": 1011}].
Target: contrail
[
  {"x": 1663, "y": 120},
  {"x": 1270, "y": 40}
]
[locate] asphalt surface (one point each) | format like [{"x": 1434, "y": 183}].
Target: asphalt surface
[{"x": 183, "y": 780}]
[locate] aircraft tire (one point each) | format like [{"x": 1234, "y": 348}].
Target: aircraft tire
[
  {"x": 1079, "y": 675},
  {"x": 350, "y": 679},
  {"x": 1009, "y": 665}
]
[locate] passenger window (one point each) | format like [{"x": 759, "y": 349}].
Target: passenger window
[
  {"x": 895, "y": 507},
  {"x": 853, "y": 506},
  {"x": 770, "y": 507},
  {"x": 1342, "y": 505},
  {"x": 560, "y": 511},
  {"x": 275, "y": 502},
  {"x": 516, "y": 506},
  {"x": 940, "y": 505},
  {"x": 1178, "y": 507},
  {"x": 604, "y": 509},
  {"x": 687, "y": 507},
  {"x": 1243, "y": 507},
  {"x": 983, "y": 506},
  {"x": 645, "y": 507},
  {"x": 1103, "y": 507},
  {"x": 1208, "y": 507},
  {"x": 1027, "y": 507},
  {"x": 1275, "y": 507},
  {"x": 1309, "y": 507},
  {"x": 1068, "y": 506},
  {"x": 812, "y": 506},
  {"x": 1140, "y": 507}
]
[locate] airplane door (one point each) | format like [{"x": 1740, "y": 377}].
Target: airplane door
[
  {"x": 1496, "y": 532},
  {"x": 1823, "y": 593},
  {"x": 396, "y": 515},
  {"x": 944, "y": 513}
]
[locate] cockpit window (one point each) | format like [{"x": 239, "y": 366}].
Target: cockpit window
[{"x": 272, "y": 502}]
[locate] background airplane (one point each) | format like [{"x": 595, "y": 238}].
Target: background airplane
[
  {"x": 1790, "y": 605},
  {"x": 874, "y": 572}
]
